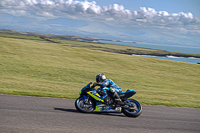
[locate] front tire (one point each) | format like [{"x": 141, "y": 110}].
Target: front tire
[
  {"x": 85, "y": 106},
  {"x": 132, "y": 108}
]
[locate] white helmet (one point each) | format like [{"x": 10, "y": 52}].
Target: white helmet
[{"x": 100, "y": 78}]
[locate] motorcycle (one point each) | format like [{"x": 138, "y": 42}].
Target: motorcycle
[{"x": 91, "y": 101}]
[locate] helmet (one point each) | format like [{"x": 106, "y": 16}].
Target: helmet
[{"x": 100, "y": 78}]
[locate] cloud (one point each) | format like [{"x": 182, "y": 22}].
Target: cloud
[{"x": 83, "y": 10}]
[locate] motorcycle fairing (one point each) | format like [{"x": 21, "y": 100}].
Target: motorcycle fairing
[
  {"x": 95, "y": 95},
  {"x": 128, "y": 93},
  {"x": 100, "y": 107},
  {"x": 85, "y": 89}
]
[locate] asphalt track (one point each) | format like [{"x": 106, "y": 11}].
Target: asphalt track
[{"x": 24, "y": 114}]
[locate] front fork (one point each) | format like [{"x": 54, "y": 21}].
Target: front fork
[{"x": 86, "y": 100}]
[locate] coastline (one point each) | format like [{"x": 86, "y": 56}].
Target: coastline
[
  {"x": 96, "y": 44},
  {"x": 161, "y": 53}
]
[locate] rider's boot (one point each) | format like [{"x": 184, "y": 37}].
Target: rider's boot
[{"x": 117, "y": 99}]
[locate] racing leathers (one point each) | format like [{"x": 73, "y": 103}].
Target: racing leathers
[{"x": 112, "y": 87}]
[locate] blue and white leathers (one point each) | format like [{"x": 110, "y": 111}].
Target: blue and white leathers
[{"x": 111, "y": 85}]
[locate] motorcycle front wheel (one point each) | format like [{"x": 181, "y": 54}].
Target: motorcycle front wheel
[
  {"x": 85, "y": 106},
  {"x": 132, "y": 108}
]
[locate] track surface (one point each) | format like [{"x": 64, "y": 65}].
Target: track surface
[{"x": 23, "y": 114}]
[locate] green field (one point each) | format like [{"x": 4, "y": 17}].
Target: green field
[{"x": 46, "y": 67}]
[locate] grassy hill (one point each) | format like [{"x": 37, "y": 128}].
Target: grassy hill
[
  {"x": 64, "y": 39},
  {"x": 38, "y": 66}
]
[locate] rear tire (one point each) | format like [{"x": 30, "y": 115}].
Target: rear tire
[
  {"x": 85, "y": 107},
  {"x": 134, "y": 108}
]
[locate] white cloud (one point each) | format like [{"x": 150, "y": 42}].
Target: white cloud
[{"x": 84, "y": 10}]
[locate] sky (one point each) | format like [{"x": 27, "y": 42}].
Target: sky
[{"x": 174, "y": 22}]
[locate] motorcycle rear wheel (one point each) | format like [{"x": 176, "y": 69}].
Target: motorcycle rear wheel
[
  {"x": 84, "y": 107},
  {"x": 133, "y": 109}
]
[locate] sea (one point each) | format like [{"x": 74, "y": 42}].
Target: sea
[{"x": 173, "y": 48}]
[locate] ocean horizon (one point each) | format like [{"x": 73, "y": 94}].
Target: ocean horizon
[{"x": 173, "y": 48}]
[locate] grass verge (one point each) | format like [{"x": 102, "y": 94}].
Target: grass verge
[{"x": 39, "y": 67}]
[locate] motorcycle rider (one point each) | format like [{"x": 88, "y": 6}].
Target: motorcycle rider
[{"x": 113, "y": 88}]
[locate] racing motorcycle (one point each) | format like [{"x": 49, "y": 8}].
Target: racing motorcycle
[{"x": 91, "y": 101}]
